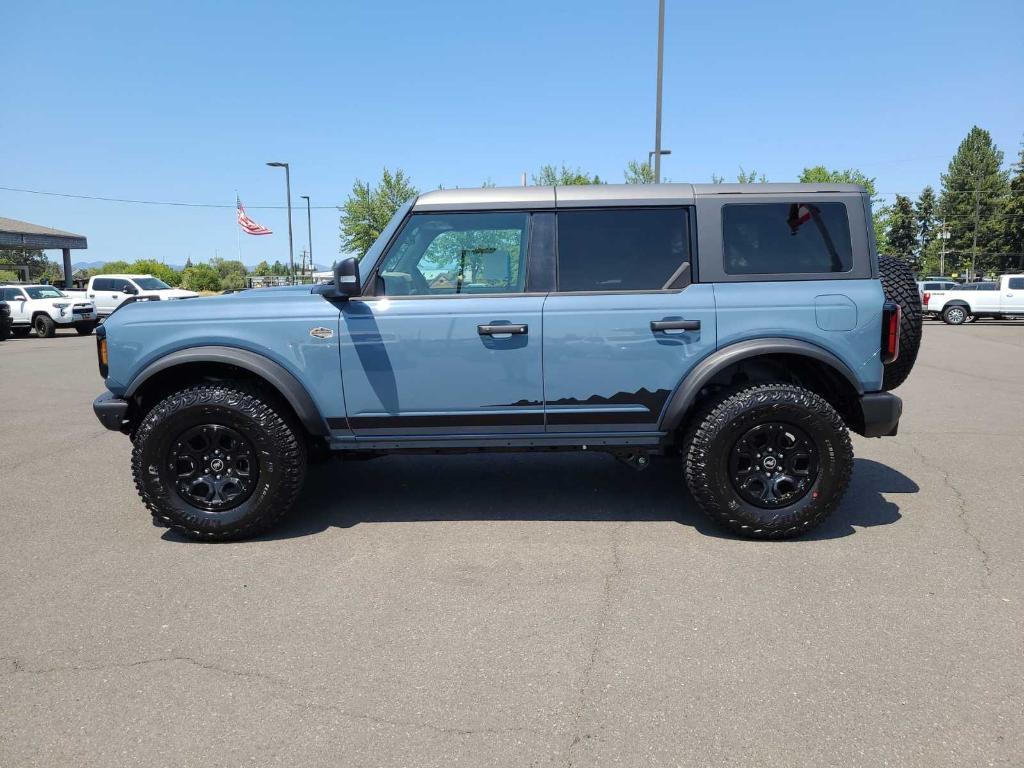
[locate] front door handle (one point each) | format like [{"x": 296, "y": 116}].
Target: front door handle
[
  {"x": 675, "y": 325},
  {"x": 499, "y": 329}
]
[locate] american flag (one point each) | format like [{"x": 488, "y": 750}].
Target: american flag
[
  {"x": 799, "y": 213},
  {"x": 248, "y": 225}
]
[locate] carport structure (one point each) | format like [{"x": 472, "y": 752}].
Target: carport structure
[{"x": 22, "y": 234}]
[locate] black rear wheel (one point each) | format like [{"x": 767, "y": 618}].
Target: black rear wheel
[
  {"x": 770, "y": 461},
  {"x": 218, "y": 462},
  {"x": 899, "y": 286}
]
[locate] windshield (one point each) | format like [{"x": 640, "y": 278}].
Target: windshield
[
  {"x": 151, "y": 284},
  {"x": 44, "y": 292}
]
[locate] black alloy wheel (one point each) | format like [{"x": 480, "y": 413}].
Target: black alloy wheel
[
  {"x": 773, "y": 465},
  {"x": 212, "y": 467}
]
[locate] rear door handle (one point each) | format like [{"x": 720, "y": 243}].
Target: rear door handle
[
  {"x": 499, "y": 329},
  {"x": 675, "y": 325}
]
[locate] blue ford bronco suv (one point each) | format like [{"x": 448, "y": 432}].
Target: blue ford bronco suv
[{"x": 740, "y": 328}]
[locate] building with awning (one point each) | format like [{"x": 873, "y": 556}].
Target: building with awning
[{"x": 22, "y": 234}]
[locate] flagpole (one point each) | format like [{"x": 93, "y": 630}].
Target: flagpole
[{"x": 238, "y": 228}]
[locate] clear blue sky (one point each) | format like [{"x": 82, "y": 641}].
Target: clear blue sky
[{"x": 187, "y": 100}]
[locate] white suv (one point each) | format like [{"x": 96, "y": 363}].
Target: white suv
[
  {"x": 110, "y": 291},
  {"x": 46, "y": 308}
]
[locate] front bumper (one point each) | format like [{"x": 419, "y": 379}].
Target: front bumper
[
  {"x": 111, "y": 411},
  {"x": 880, "y": 414}
]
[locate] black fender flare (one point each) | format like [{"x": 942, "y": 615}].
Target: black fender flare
[
  {"x": 957, "y": 303},
  {"x": 290, "y": 388},
  {"x": 702, "y": 373}
]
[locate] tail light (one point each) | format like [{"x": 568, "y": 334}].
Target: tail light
[
  {"x": 891, "y": 316},
  {"x": 101, "y": 350},
  {"x": 925, "y": 299}
]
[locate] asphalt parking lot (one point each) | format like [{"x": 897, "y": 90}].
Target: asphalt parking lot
[{"x": 556, "y": 610}]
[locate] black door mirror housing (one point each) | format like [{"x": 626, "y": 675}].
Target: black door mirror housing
[
  {"x": 130, "y": 289},
  {"x": 346, "y": 278}
]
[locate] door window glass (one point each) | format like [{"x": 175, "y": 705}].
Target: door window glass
[
  {"x": 1016, "y": 283},
  {"x": 457, "y": 253},
  {"x": 621, "y": 249},
  {"x": 786, "y": 238}
]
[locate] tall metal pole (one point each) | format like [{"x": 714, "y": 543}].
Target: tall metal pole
[
  {"x": 288, "y": 186},
  {"x": 974, "y": 243},
  {"x": 657, "y": 119},
  {"x": 309, "y": 230}
]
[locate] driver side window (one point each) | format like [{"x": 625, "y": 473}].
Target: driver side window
[{"x": 456, "y": 254}]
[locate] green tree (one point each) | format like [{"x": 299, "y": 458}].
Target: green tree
[
  {"x": 880, "y": 213},
  {"x": 7, "y": 275},
  {"x": 157, "y": 269},
  {"x": 114, "y": 268},
  {"x": 35, "y": 260},
  {"x": 1012, "y": 220},
  {"x": 234, "y": 280},
  {"x": 925, "y": 210},
  {"x": 262, "y": 269},
  {"x": 639, "y": 172},
  {"x": 902, "y": 230},
  {"x": 742, "y": 177},
  {"x": 227, "y": 267},
  {"x": 278, "y": 269},
  {"x": 973, "y": 191},
  {"x": 564, "y": 176},
  {"x": 201, "y": 277},
  {"x": 368, "y": 210},
  {"x": 188, "y": 262}
]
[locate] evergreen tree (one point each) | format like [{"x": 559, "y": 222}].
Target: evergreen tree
[
  {"x": 902, "y": 231},
  {"x": 973, "y": 192},
  {"x": 924, "y": 216},
  {"x": 188, "y": 262},
  {"x": 1012, "y": 221}
]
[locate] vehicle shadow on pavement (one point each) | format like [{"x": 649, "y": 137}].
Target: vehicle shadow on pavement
[{"x": 571, "y": 487}]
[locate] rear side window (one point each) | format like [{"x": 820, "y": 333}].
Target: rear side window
[
  {"x": 785, "y": 238},
  {"x": 102, "y": 284},
  {"x": 1017, "y": 283},
  {"x": 625, "y": 249}
]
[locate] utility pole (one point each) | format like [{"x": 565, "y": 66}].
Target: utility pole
[
  {"x": 309, "y": 229},
  {"x": 657, "y": 117},
  {"x": 974, "y": 244}
]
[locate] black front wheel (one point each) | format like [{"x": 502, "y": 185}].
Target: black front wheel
[
  {"x": 84, "y": 329},
  {"x": 770, "y": 461},
  {"x": 956, "y": 315},
  {"x": 218, "y": 462},
  {"x": 45, "y": 327}
]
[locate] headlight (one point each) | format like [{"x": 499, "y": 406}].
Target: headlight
[{"x": 63, "y": 305}]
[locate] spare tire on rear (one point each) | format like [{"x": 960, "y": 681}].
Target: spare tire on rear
[{"x": 899, "y": 286}]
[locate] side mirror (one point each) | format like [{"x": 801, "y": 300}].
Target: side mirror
[
  {"x": 346, "y": 278},
  {"x": 130, "y": 289}
]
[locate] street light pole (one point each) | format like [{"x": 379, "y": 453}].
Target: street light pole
[
  {"x": 288, "y": 187},
  {"x": 657, "y": 118},
  {"x": 309, "y": 231}
]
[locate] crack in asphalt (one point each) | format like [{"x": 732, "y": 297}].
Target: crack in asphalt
[
  {"x": 613, "y": 574},
  {"x": 965, "y": 523},
  {"x": 294, "y": 700}
]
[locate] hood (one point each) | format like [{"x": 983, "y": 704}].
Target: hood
[{"x": 174, "y": 293}]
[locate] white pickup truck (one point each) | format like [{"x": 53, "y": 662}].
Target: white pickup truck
[
  {"x": 1003, "y": 299},
  {"x": 46, "y": 309},
  {"x": 108, "y": 292}
]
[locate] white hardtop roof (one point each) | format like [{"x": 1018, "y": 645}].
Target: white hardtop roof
[{"x": 607, "y": 194}]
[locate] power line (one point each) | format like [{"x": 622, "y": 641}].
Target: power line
[{"x": 153, "y": 202}]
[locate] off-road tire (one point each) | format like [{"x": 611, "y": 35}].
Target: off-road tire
[
  {"x": 899, "y": 286},
  {"x": 21, "y": 331},
  {"x": 709, "y": 443},
  {"x": 957, "y": 314},
  {"x": 45, "y": 327},
  {"x": 277, "y": 441},
  {"x": 84, "y": 329}
]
